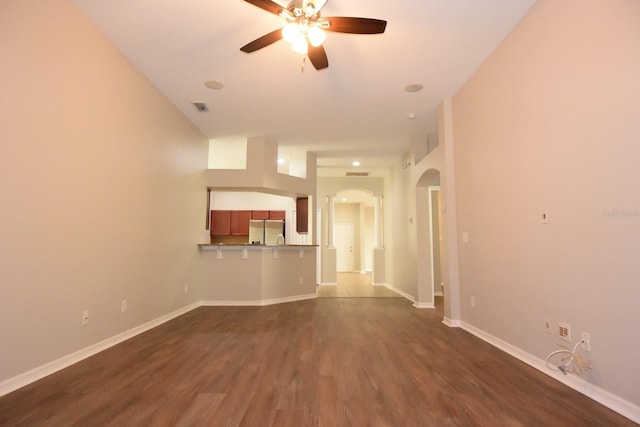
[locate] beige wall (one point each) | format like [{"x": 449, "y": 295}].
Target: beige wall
[
  {"x": 550, "y": 121},
  {"x": 400, "y": 234},
  {"x": 103, "y": 195},
  {"x": 259, "y": 278}
]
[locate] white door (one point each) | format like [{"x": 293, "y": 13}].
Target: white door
[{"x": 344, "y": 247}]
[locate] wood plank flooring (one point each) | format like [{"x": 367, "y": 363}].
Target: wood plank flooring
[
  {"x": 322, "y": 362},
  {"x": 355, "y": 285}
]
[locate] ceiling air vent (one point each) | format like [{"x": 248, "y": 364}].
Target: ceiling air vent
[
  {"x": 201, "y": 106},
  {"x": 357, "y": 173}
]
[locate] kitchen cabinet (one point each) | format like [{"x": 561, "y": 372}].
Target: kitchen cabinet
[
  {"x": 236, "y": 223},
  {"x": 302, "y": 215},
  {"x": 260, "y": 214},
  {"x": 240, "y": 223},
  {"x": 277, "y": 215},
  {"x": 220, "y": 223}
]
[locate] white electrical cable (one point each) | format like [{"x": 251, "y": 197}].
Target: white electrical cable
[{"x": 572, "y": 363}]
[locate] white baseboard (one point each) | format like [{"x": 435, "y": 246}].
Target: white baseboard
[
  {"x": 379, "y": 284},
  {"x": 424, "y": 305},
  {"x": 451, "y": 323},
  {"x": 21, "y": 380},
  {"x": 257, "y": 303},
  {"x": 328, "y": 284},
  {"x": 398, "y": 291},
  {"x": 610, "y": 400},
  {"x": 438, "y": 293}
]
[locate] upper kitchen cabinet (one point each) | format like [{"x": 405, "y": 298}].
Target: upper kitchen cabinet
[
  {"x": 302, "y": 215},
  {"x": 277, "y": 215},
  {"x": 240, "y": 223},
  {"x": 260, "y": 215}
]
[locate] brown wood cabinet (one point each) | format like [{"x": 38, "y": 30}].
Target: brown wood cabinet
[
  {"x": 240, "y": 223},
  {"x": 260, "y": 214},
  {"x": 277, "y": 215},
  {"x": 220, "y": 223},
  {"x": 302, "y": 215},
  {"x": 236, "y": 223}
]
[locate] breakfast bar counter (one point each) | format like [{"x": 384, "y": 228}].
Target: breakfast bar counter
[{"x": 257, "y": 274}]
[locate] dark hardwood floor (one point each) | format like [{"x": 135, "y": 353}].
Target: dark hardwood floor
[{"x": 323, "y": 362}]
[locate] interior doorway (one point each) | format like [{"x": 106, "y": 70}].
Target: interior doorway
[
  {"x": 344, "y": 248},
  {"x": 431, "y": 274},
  {"x": 356, "y": 207}
]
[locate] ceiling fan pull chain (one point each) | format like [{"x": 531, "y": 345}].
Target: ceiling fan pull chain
[{"x": 304, "y": 60}]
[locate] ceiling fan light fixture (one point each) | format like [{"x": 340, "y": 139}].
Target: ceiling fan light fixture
[
  {"x": 291, "y": 33},
  {"x": 300, "y": 46},
  {"x": 316, "y": 36},
  {"x": 305, "y": 29}
]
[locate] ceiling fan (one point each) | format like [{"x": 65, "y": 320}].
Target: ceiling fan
[{"x": 305, "y": 28}]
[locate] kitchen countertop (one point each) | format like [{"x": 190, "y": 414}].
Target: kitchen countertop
[{"x": 249, "y": 245}]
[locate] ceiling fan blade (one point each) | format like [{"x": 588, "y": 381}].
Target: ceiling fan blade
[
  {"x": 318, "y": 57},
  {"x": 350, "y": 25},
  {"x": 267, "y": 5},
  {"x": 263, "y": 41}
]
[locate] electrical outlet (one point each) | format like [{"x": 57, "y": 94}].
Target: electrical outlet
[
  {"x": 85, "y": 317},
  {"x": 564, "y": 331},
  {"x": 123, "y": 306},
  {"x": 544, "y": 216},
  {"x": 301, "y": 280},
  {"x": 586, "y": 341},
  {"x": 186, "y": 288},
  {"x": 548, "y": 328},
  {"x": 472, "y": 302}
]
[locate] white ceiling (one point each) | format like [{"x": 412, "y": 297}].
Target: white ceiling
[
  {"x": 356, "y": 108},
  {"x": 354, "y": 196}
]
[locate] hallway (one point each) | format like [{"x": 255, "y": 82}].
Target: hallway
[{"x": 355, "y": 285}]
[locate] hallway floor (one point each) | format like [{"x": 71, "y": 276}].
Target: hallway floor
[{"x": 355, "y": 285}]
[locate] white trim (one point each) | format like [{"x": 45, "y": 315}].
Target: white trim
[
  {"x": 380, "y": 284},
  {"x": 430, "y": 190},
  {"x": 608, "y": 399},
  {"x": 398, "y": 291},
  {"x": 451, "y": 323},
  {"x": 257, "y": 303},
  {"x": 424, "y": 305},
  {"x": 21, "y": 380},
  {"x": 328, "y": 284},
  {"x": 438, "y": 294}
]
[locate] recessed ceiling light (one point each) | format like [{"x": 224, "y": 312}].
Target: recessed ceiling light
[
  {"x": 411, "y": 116},
  {"x": 356, "y": 163},
  {"x": 212, "y": 84},
  {"x": 344, "y": 199},
  {"x": 415, "y": 87}
]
